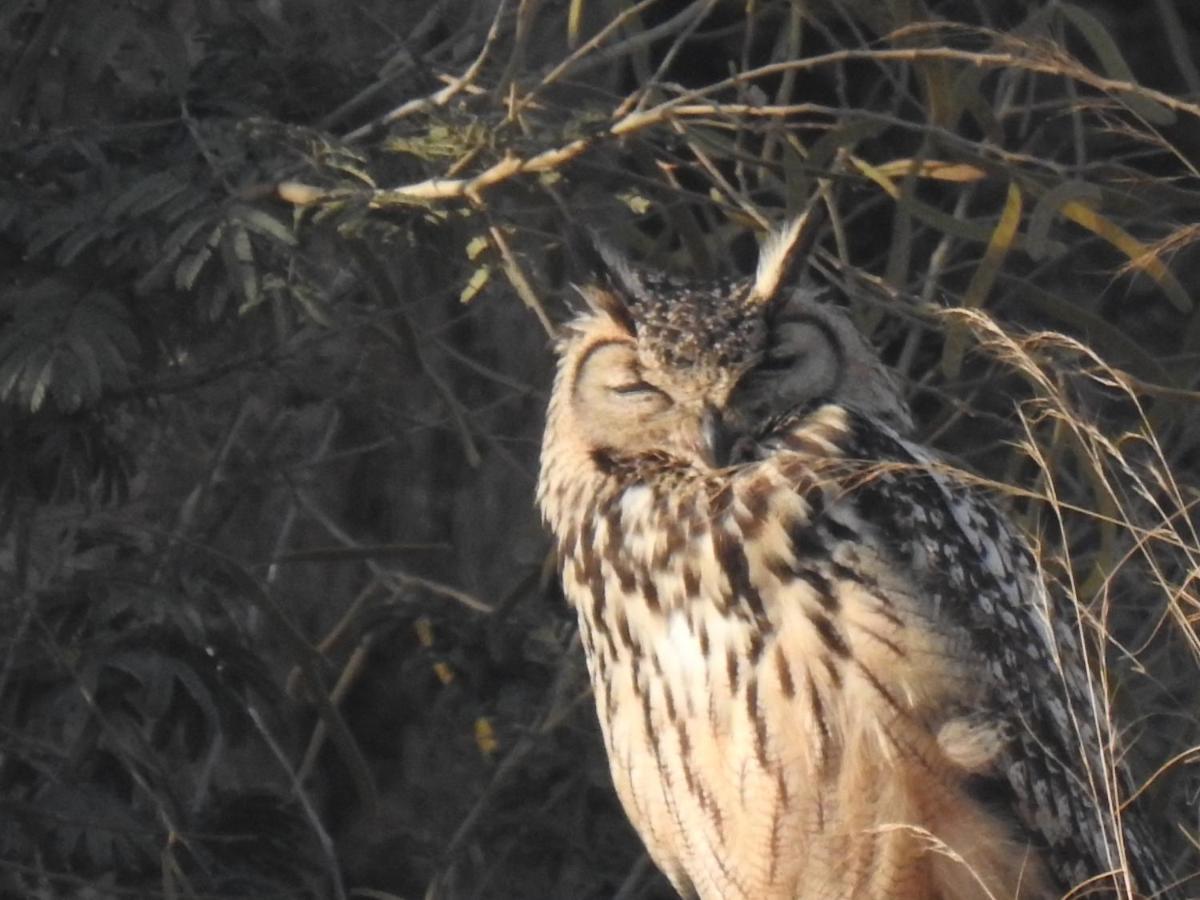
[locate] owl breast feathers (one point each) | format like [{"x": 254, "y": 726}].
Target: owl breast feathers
[{"x": 825, "y": 665}]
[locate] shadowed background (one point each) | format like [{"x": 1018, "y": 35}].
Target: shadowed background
[{"x": 277, "y": 282}]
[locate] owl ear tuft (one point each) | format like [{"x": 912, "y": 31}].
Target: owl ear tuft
[
  {"x": 608, "y": 303},
  {"x": 779, "y": 253},
  {"x": 615, "y": 269},
  {"x": 593, "y": 260}
]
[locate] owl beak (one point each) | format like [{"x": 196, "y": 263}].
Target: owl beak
[{"x": 717, "y": 439}]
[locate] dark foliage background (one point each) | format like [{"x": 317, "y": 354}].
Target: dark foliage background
[{"x": 277, "y": 280}]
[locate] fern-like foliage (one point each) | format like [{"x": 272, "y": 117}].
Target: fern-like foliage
[
  {"x": 277, "y": 283},
  {"x": 64, "y": 347}
]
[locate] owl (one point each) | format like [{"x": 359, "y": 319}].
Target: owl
[{"x": 824, "y": 663}]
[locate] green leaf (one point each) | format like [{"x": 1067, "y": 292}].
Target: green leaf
[
  {"x": 149, "y": 186},
  {"x": 183, "y": 234},
  {"x": 1003, "y": 237},
  {"x": 218, "y": 300},
  {"x": 186, "y": 201},
  {"x": 1141, "y": 258},
  {"x": 1114, "y": 64},
  {"x": 574, "y": 22},
  {"x": 1037, "y": 241},
  {"x": 172, "y": 248},
  {"x": 189, "y": 270},
  {"x": 87, "y": 380},
  {"x": 65, "y": 346},
  {"x": 41, "y": 384},
  {"x": 238, "y": 256},
  {"x": 10, "y": 373},
  {"x": 22, "y": 388},
  {"x": 477, "y": 282},
  {"x": 113, "y": 365},
  {"x": 53, "y": 229},
  {"x": 842, "y": 137},
  {"x": 266, "y": 225},
  {"x": 77, "y": 243}
]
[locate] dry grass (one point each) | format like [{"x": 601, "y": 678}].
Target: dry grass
[{"x": 361, "y": 232}]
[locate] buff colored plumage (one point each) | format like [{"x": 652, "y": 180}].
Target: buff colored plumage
[{"x": 824, "y": 666}]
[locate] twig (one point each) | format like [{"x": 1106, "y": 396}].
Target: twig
[
  {"x": 470, "y": 451},
  {"x": 516, "y": 277},
  {"x": 310, "y": 812},
  {"x": 643, "y": 38},
  {"x": 554, "y": 714},
  {"x": 446, "y": 94},
  {"x": 395, "y": 576},
  {"x": 1175, "y": 33},
  {"x": 350, "y": 672},
  {"x": 289, "y": 516},
  {"x": 1060, "y": 66},
  {"x": 633, "y": 881}
]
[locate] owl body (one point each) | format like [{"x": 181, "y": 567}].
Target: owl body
[{"x": 824, "y": 666}]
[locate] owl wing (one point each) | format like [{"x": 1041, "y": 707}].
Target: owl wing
[{"x": 1055, "y": 773}]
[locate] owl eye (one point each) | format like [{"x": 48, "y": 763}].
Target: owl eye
[
  {"x": 638, "y": 390},
  {"x": 778, "y": 362}
]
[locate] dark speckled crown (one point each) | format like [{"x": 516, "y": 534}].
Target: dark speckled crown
[{"x": 697, "y": 324}]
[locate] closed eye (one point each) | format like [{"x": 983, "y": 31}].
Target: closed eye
[
  {"x": 778, "y": 362},
  {"x": 634, "y": 388}
]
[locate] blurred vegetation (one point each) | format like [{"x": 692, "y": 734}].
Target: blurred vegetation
[{"x": 276, "y": 286}]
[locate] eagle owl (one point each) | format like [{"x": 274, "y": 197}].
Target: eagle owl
[{"x": 825, "y": 665}]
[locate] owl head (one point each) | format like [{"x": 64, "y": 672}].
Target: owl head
[{"x": 694, "y": 370}]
